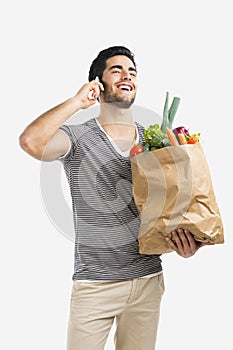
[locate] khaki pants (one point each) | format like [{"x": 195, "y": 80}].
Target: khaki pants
[{"x": 135, "y": 305}]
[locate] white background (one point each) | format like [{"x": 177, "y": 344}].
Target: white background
[{"x": 184, "y": 47}]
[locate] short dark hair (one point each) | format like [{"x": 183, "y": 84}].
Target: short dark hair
[{"x": 99, "y": 63}]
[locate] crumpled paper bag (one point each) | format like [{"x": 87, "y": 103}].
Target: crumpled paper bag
[{"x": 172, "y": 189}]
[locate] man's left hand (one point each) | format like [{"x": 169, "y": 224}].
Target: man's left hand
[{"x": 184, "y": 243}]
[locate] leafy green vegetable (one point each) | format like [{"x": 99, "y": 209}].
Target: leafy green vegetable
[{"x": 155, "y": 138}]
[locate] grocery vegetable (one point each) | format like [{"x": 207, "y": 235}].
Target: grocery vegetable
[
  {"x": 171, "y": 136},
  {"x": 136, "y": 149},
  {"x": 181, "y": 130},
  {"x": 192, "y": 139},
  {"x": 155, "y": 138},
  {"x": 182, "y": 139},
  {"x": 169, "y": 114}
]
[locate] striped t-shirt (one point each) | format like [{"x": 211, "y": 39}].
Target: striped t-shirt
[{"x": 106, "y": 220}]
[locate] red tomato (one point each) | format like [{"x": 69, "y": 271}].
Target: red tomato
[{"x": 136, "y": 149}]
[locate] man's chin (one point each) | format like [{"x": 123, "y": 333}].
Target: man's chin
[
  {"x": 119, "y": 102},
  {"x": 123, "y": 104}
]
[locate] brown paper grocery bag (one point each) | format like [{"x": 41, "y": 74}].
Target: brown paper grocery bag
[{"x": 172, "y": 189}]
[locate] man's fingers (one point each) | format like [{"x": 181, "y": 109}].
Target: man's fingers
[
  {"x": 95, "y": 89},
  {"x": 190, "y": 239},
  {"x": 183, "y": 243},
  {"x": 171, "y": 243},
  {"x": 175, "y": 243},
  {"x": 176, "y": 235}
]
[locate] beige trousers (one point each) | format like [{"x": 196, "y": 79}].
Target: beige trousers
[{"x": 135, "y": 305}]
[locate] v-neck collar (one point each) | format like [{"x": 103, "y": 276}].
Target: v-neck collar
[{"x": 113, "y": 143}]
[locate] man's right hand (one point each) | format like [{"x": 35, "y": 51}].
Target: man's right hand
[{"x": 89, "y": 93}]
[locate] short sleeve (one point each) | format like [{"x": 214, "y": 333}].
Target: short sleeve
[{"x": 73, "y": 141}]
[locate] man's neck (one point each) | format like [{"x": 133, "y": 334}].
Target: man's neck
[
  {"x": 109, "y": 113},
  {"x": 118, "y": 124}
]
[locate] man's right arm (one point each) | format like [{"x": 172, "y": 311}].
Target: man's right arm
[{"x": 43, "y": 139}]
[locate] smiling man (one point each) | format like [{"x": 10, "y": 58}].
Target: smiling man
[
  {"x": 111, "y": 280},
  {"x": 118, "y": 91}
]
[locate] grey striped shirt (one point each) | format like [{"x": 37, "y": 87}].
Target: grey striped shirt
[{"x": 106, "y": 220}]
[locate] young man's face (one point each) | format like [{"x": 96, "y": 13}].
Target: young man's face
[{"x": 120, "y": 81}]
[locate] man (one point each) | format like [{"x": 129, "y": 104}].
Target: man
[{"x": 111, "y": 280}]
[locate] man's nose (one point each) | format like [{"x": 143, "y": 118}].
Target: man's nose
[{"x": 126, "y": 75}]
